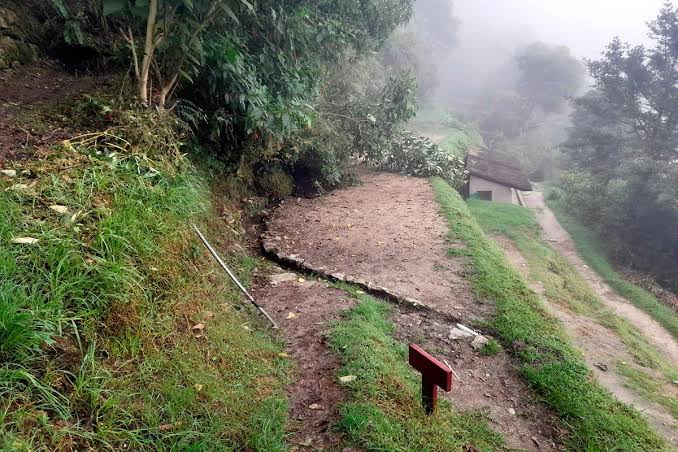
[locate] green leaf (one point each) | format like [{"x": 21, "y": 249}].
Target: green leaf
[{"x": 61, "y": 8}]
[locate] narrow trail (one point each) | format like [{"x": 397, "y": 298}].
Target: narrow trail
[
  {"x": 388, "y": 233},
  {"x": 602, "y": 349},
  {"x": 304, "y": 310},
  {"x": 561, "y": 241}
]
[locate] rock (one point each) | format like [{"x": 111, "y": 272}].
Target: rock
[
  {"x": 338, "y": 276},
  {"x": 456, "y": 333},
  {"x": 512, "y": 411},
  {"x": 315, "y": 406},
  {"x": 8, "y": 172},
  {"x": 281, "y": 277},
  {"x": 347, "y": 378},
  {"x": 59, "y": 209},
  {"x": 601, "y": 366},
  {"x": 478, "y": 342}
]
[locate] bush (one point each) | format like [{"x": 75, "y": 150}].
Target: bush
[
  {"x": 415, "y": 155},
  {"x": 275, "y": 183}
]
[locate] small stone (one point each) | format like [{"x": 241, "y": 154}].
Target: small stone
[
  {"x": 281, "y": 277},
  {"x": 25, "y": 240},
  {"x": 456, "y": 333},
  {"x": 347, "y": 378},
  {"x": 314, "y": 406},
  {"x": 478, "y": 342},
  {"x": 59, "y": 209},
  {"x": 512, "y": 411},
  {"x": 8, "y": 172}
]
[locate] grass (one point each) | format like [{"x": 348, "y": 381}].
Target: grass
[
  {"x": 383, "y": 409},
  {"x": 590, "y": 248},
  {"x": 95, "y": 318},
  {"x": 549, "y": 362},
  {"x": 561, "y": 282},
  {"x": 457, "y": 136}
]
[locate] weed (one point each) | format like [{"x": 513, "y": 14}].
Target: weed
[{"x": 490, "y": 348}]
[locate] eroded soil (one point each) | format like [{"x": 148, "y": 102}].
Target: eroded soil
[
  {"x": 304, "y": 311},
  {"x": 388, "y": 232}
]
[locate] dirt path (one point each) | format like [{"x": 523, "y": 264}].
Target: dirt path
[
  {"x": 561, "y": 241},
  {"x": 388, "y": 232},
  {"x": 29, "y": 87},
  {"x": 602, "y": 349},
  {"x": 304, "y": 310}
]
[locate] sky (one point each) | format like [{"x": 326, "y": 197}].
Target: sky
[
  {"x": 491, "y": 31},
  {"x": 585, "y": 26}
]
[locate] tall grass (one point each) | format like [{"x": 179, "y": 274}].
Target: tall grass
[{"x": 95, "y": 318}]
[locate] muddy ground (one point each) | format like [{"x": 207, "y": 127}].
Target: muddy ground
[{"x": 388, "y": 232}]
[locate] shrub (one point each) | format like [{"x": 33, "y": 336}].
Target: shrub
[{"x": 415, "y": 155}]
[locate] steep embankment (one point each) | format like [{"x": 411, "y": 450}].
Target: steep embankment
[{"x": 117, "y": 331}]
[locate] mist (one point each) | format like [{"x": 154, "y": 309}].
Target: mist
[{"x": 491, "y": 31}]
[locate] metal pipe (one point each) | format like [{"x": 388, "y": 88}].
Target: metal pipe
[{"x": 233, "y": 277}]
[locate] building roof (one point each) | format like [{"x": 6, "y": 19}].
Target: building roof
[{"x": 497, "y": 167}]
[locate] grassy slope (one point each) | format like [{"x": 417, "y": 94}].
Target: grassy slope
[
  {"x": 590, "y": 248},
  {"x": 457, "y": 137},
  {"x": 549, "y": 361},
  {"x": 563, "y": 284},
  {"x": 96, "y": 317},
  {"x": 383, "y": 410}
]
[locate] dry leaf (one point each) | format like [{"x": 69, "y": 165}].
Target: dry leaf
[
  {"x": 198, "y": 387},
  {"x": 198, "y": 327},
  {"x": 8, "y": 172},
  {"x": 59, "y": 209},
  {"x": 301, "y": 280},
  {"x": 25, "y": 240},
  {"x": 290, "y": 315},
  {"x": 360, "y": 292},
  {"x": 314, "y": 406},
  {"x": 283, "y": 355},
  {"x": 347, "y": 378}
]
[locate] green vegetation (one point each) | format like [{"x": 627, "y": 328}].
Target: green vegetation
[
  {"x": 621, "y": 176},
  {"x": 549, "y": 361},
  {"x": 649, "y": 387},
  {"x": 490, "y": 348},
  {"x": 116, "y": 330},
  {"x": 452, "y": 135},
  {"x": 591, "y": 250},
  {"x": 562, "y": 284},
  {"x": 383, "y": 410}
]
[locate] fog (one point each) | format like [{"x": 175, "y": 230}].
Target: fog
[{"x": 490, "y": 31}]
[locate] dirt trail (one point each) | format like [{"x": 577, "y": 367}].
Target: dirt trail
[
  {"x": 388, "y": 232},
  {"x": 29, "y": 87},
  {"x": 562, "y": 242},
  {"x": 602, "y": 349},
  {"x": 304, "y": 310}
]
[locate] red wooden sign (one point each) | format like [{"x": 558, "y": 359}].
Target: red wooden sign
[{"x": 434, "y": 374}]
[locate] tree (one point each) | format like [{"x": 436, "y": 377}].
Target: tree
[
  {"x": 404, "y": 50},
  {"x": 549, "y": 75},
  {"x": 622, "y": 150},
  {"x": 173, "y": 32}
]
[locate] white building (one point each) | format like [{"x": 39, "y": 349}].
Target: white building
[{"x": 495, "y": 177}]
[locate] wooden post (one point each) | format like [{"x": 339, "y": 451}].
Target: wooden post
[{"x": 434, "y": 374}]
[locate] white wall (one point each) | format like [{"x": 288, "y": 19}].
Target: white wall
[{"x": 500, "y": 193}]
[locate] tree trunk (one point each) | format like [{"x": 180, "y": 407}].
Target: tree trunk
[{"x": 149, "y": 47}]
